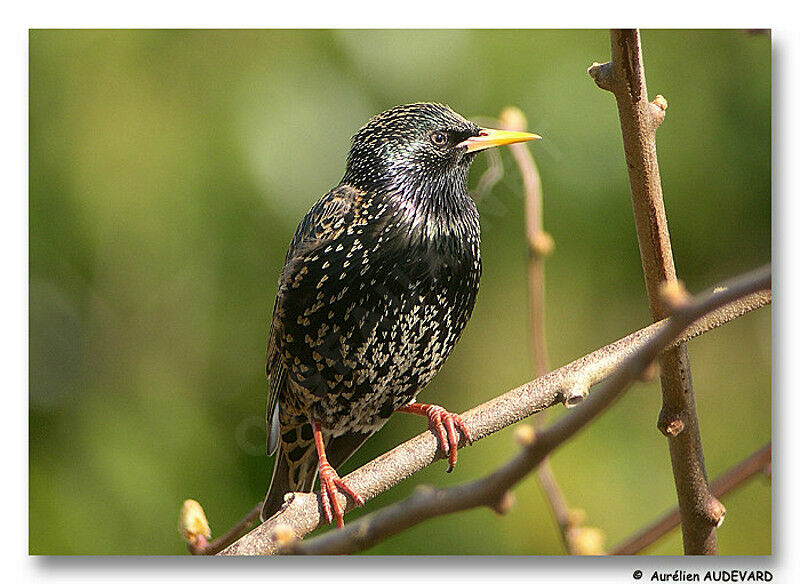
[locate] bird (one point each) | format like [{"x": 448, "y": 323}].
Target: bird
[{"x": 379, "y": 281}]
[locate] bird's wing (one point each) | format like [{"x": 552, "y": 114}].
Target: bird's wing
[{"x": 324, "y": 222}]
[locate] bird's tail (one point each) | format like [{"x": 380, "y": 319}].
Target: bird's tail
[
  {"x": 297, "y": 470},
  {"x": 288, "y": 476}
]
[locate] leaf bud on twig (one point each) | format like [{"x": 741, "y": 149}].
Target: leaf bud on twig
[{"x": 193, "y": 523}]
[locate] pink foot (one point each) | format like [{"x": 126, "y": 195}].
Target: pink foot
[
  {"x": 444, "y": 423},
  {"x": 330, "y": 483}
]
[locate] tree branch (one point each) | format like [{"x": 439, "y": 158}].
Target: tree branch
[
  {"x": 756, "y": 463},
  {"x": 568, "y": 384},
  {"x": 493, "y": 490},
  {"x": 624, "y": 77}
]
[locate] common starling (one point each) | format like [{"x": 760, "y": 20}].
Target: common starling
[{"x": 378, "y": 284}]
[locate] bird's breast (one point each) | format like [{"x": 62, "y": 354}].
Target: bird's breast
[{"x": 368, "y": 319}]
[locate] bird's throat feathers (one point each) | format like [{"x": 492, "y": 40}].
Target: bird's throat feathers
[{"x": 440, "y": 217}]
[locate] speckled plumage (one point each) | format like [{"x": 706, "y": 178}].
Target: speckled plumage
[{"x": 379, "y": 281}]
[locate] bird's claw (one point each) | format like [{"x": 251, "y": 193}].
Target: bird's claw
[
  {"x": 444, "y": 424},
  {"x": 330, "y": 484}
]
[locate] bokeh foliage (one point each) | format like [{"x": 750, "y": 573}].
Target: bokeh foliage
[{"x": 168, "y": 170}]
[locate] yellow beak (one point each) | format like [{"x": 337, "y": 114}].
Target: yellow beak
[{"x": 489, "y": 138}]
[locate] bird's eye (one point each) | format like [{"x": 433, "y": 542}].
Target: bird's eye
[{"x": 439, "y": 138}]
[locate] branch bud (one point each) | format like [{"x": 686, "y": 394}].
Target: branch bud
[
  {"x": 649, "y": 373},
  {"x": 424, "y": 490},
  {"x": 670, "y": 423},
  {"x": 504, "y": 504},
  {"x": 715, "y": 511},
  {"x": 284, "y": 536},
  {"x": 601, "y": 73},
  {"x": 193, "y": 524},
  {"x": 575, "y": 517},
  {"x": 541, "y": 244},
  {"x": 525, "y": 435},
  {"x": 658, "y": 109},
  {"x": 587, "y": 541},
  {"x": 767, "y": 470},
  {"x": 512, "y": 118},
  {"x": 576, "y": 394},
  {"x": 674, "y": 295}
]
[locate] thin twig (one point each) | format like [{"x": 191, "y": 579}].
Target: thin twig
[
  {"x": 756, "y": 463},
  {"x": 639, "y": 119},
  {"x": 539, "y": 242},
  {"x": 302, "y": 512},
  {"x": 493, "y": 490},
  {"x": 540, "y": 245}
]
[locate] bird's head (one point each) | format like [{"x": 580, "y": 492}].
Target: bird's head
[{"x": 419, "y": 145}]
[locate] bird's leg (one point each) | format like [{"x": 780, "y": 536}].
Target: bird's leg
[
  {"x": 329, "y": 482},
  {"x": 444, "y": 423}
]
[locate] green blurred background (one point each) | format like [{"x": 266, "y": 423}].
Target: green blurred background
[{"x": 168, "y": 170}]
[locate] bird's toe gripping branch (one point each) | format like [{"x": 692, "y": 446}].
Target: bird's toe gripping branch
[
  {"x": 330, "y": 483},
  {"x": 444, "y": 423}
]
